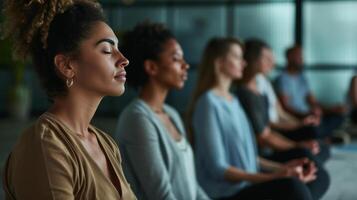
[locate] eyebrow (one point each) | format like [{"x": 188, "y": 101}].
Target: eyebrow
[{"x": 110, "y": 41}]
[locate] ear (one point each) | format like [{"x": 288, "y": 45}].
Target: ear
[
  {"x": 64, "y": 66},
  {"x": 151, "y": 67}
]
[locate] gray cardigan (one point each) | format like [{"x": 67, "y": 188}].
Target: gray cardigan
[{"x": 150, "y": 156}]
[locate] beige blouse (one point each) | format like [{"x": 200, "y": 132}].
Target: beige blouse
[{"x": 49, "y": 162}]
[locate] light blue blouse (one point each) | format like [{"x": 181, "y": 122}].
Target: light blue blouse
[{"x": 222, "y": 138}]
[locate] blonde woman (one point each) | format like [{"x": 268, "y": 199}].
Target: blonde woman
[{"x": 226, "y": 156}]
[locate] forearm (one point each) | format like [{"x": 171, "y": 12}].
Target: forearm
[
  {"x": 284, "y": 125},
  {"x": 234, "y": 174},
  {"x": 295, "y": 113},
  {"x": 311, "y": 100},
  {"x": 285, "y": 120},
  {"x": 285, "y": 117},
  {"x": 269, "y": 165},
  {"x": 276, "y": 141}
]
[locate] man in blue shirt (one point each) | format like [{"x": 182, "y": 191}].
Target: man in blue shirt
[{"x": 297, "y": 99}]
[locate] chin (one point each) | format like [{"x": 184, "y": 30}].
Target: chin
[
  {"x": 180, "y": 85},
  {"x": 176, "y": 87},
  {"x": 121, "y": 92},
  {"x": 238, "y": 76},
  {"x": 118, "y": 92}
]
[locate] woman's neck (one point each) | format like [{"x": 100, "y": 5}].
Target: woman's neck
[
  {"x": 154, "y": 96},
  {"x": 76, "y": 111},
  {"x": 223, "y": 85}
]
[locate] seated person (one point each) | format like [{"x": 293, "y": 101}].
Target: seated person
[
  {"x": 294, "y": 128},
  {"x": 259, "y": 54},
  {"x": 158, "y": 160},
  {"x": 256, "y": 106},
  {"x": 61, "y": 155},
  {"x": 297, "y": 99},
  {"x": 226, "y": 156}
]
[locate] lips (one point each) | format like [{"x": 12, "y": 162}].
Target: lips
[
  {"x": 184, "y": 76},
  {"x": 120, "y": 76}
]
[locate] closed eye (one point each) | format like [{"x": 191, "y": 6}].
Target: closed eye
[
  {"x": 107, "y": 52},
  {"x": 110, "y": 44}
]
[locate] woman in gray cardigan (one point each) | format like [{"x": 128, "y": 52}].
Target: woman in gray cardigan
[{"x": 157, "y": 158}]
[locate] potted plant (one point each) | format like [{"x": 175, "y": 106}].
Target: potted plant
[{"x": 19, "y": 97}]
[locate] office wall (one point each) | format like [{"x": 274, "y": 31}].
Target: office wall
[{"x": 329, "y": 41}]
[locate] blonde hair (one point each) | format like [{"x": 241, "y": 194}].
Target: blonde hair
[{"x": 216, "y": 48}]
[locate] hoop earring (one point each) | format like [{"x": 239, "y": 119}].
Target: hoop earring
[{"x": 69, "y": 82}]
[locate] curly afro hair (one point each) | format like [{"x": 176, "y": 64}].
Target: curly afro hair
[{"x": 144, "y": 42}]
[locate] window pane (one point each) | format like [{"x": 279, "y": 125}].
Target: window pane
[
  {"x": 330, "y": 92},
  {"x": 272, "y": 22},
  {"x": 126, "y": 18},
  {"x": 330, "y": 32},
  {"x": 194, "y": 26}
]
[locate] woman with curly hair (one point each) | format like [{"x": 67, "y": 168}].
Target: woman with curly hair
[
  {"x": 62, "y": 156},
  {"x": 158, "y": 159}
]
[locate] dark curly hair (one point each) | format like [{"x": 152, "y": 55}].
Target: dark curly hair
[
  {"x": 41, "y": 29},
  {"x": 144, "y": 42}
]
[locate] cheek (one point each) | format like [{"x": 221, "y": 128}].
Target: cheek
[
  {"x": 89, "y": 69},
  {"x": 170, "y": 71},
  {"x": 96, "y": 71},
  {"x": 231, "y": 69},
  {"x": 236, "y": 67},
  {"x": 264, "y": 67},
  {"x": 172, "y": 76},
  {"x": 238, "y": 70},
  {"x": 269, "y": 67}
]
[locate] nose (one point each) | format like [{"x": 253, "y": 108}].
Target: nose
[
  {"x": 124, "y": 63},
  {"x": 121, "y": 61},
  {"x": 185, "y": 65}
]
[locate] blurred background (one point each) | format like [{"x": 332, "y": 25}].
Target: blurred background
[{"x": 327, "y": 30}]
